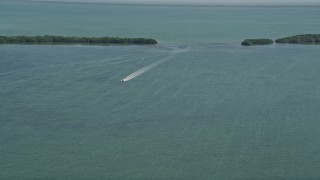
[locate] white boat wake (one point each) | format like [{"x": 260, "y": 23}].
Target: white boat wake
[{"x": 150, "y": 66}]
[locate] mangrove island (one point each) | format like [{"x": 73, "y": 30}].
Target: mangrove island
[
  {"x": 252, "y": 42},
  {"x": 301, "y": 39},
  {"x": 47, "y": 39}
]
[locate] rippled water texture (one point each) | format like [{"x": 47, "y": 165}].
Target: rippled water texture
[{"x": 196, "y": 106}]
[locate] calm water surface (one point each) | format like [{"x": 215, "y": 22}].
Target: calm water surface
[{"x": 210, "y": 110}]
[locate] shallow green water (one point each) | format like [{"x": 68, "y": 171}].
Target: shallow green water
[{"x": 211, "y": 110}]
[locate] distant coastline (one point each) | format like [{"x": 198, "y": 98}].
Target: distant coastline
[
  {"x": 47, "y": 39},
  {"x": 297, "y": 39},
  {"x": 300, "y": 39},
  {"x": 253, "y": 42}
]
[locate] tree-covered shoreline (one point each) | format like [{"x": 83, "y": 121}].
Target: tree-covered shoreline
[
  {"x": 252, "y": 42},
  {"x": 47, "y": 39},
  {"x": 301, "y": 39},
  {"x": 297, "y": 39}
]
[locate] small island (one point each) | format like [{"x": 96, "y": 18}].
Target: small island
[
  {"x": 301, "y": 39},
  {"x": 47, "y": 39},
  {"x": 253, "y": 42}
]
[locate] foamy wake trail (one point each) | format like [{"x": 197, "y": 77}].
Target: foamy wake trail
[
  {"x": 145, "y": 69},
  {"x": 150, "y": 66}
]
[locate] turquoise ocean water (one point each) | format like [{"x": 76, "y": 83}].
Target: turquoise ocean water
[{"x": 208, "y": 109}]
